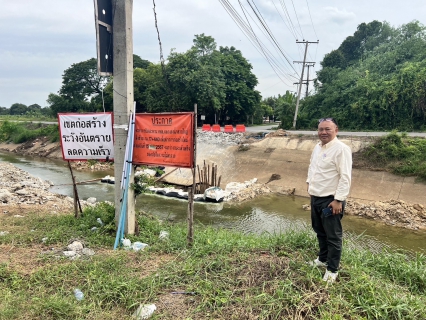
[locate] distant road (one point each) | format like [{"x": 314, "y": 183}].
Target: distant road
[{"x": 341, "y": 133}]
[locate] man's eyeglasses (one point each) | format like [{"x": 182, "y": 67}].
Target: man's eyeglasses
[{"x": 327, "y": 119}]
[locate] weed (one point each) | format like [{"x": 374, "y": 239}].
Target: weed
[
  {"x": 396, "y": 153},
  {"x": 19, "y": 132}
]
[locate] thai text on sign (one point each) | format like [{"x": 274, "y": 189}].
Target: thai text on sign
[
  {"x": 164, "y": 139},
  {"x": 86, "y": 136}
]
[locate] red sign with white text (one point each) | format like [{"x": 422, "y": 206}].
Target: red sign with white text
[{"x": 165, "y": 139}]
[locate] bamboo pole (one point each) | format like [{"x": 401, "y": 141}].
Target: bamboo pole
[
  {"x": 190, "y": 236},
  {"x": 165, "y": 175},
  {"x": 76, "y": 199}
]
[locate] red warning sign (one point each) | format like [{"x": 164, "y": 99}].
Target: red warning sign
[{"x": 164, "y": 139}]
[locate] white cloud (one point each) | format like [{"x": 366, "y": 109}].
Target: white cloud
[
  {"x": 40, "y": 39},
  {"x": 335, "y": 15}
]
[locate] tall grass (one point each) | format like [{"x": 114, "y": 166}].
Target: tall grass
[
  {"x": 398, "y": 154},
  {"x": 224, "y": 275},
  {"x": 19, "y": 132}
]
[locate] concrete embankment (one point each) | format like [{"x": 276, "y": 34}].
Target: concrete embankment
[
  {"x": 288, "y": 157},
  {"x": 279, "y": 154}
]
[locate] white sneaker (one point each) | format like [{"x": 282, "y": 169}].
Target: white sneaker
[
  {"x": 330, "y": 277},
  {"x": 317, "y": 263}
]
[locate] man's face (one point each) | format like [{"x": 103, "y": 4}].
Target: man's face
[{"x": 327, "y": 131}]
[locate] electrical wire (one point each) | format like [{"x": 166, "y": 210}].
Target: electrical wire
[
  {"x": 313, "y": 27},
  {"x": 266, "y": 34},
  {"x": 264, "y": 24},
  {"x": 251, "y": 36},
  {"x": 297, "y": 18},
  {"x": 258, "y": 42}
]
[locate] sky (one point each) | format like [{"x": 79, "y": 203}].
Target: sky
[{"x": 40, "y": 39}]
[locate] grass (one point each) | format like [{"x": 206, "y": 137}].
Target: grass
[
  {"x": 19, "y": 132},
  {"x": 27, "y": 117},
  {"x": 396, "y": 153},
  {"x": 226, "y": 274}
]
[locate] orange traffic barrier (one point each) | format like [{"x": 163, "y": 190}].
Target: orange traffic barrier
[
  {"x": 206, "y": 127},
  {"x": 229, "y": 128},
  {"x": 216, "y": 128},
  {"x": 240, "y": 128}
]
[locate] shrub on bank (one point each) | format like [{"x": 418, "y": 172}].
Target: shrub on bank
[
  {"x": 396, "y": 153},
  {"x": 20, "y": 132}
]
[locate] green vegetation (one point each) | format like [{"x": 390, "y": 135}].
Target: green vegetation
[
  {"x": 19, "y": 111},
  {"x": 396, "y": 153},
  {"x": 232, "y": 276},
  {"x": 19, "y": 132},
  {"x": 144, "y": 181},
  {"x": 375, "y": 80},
  {"x": 219, "y": 80}
]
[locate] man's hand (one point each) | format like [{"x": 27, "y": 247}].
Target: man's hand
[{"x": 337, "y": 207}]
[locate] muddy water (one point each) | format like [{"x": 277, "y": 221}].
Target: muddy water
[{"x": 270, "y": 214}]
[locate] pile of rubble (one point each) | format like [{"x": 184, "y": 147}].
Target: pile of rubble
[
  {"x": 246, "y": 190},
  {"x": 19, "y": 189},
  {"x": 278, "y": 133},
  {"x": 221, "y": 138},
  {"x": 392, "y": 212}
]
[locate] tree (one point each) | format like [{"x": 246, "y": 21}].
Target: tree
[
  {"x": 81, "y": 81},
  {"x": 81, "y": 89},
  {"x": 383, "y": 89},
  {"x": 241, "y": 100},
  {"x": 18, "y": 109},
  {"x": 138, "y": 62}
]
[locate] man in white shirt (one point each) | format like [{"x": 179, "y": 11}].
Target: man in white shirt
[{"x": 329, "y": 182}]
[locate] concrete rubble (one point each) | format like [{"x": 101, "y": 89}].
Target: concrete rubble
[
  {"x": 392, "y": 212},
  {"x": 221, "y": 138},
  {"x": 20, "y": 189}
]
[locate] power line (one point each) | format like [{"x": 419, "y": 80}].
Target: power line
[
  {"x": 248, "y": 31},
  {"x": 263, "y": 22},
  {"x": 297, "y": 18},
  {"x": 313, "y": 27},
  {"x": 261, "y": 47}
]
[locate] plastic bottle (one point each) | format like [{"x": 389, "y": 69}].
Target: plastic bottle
[{"x": 78, "y": 294}]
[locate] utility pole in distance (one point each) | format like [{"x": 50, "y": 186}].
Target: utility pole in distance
[
  {"x": 307, "y": 79},
  {"x": 123, "y": 103},
  {"x": 301, "y": 79}
]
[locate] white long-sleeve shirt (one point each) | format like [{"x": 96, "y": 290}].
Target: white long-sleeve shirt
[{"x": 330, "y": 170}]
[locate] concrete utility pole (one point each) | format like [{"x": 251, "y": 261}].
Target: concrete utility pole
[
  {"x": 301, "y": 79},
  {"x": 307, "y": 79},
  {"x": 123, "y": 102}
]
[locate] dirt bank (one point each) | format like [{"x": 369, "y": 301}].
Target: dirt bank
[{"x": 245, "y": 166}]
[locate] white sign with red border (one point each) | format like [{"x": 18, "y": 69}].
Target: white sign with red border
[{"x": 86, "y": 136}]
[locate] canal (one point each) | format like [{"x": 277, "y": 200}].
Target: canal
[{"x": 267, "y": 214}]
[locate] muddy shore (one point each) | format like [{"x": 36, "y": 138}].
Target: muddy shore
[{"x": 19, "y": 191}]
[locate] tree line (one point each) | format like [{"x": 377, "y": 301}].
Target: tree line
[
  {"x": 220, "y": 81},
  {"x": 375, "y": 80}
]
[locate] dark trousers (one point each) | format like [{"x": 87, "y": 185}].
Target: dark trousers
[{"x": 329, "y": 232}]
